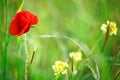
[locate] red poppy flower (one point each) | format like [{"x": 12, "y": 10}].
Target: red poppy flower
[{"x": 22, "y": 22}]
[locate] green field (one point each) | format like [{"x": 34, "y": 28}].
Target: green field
[{"x": 64, "y": 26}]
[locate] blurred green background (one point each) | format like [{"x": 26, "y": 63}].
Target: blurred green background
[{"x": 72, "y": 21}]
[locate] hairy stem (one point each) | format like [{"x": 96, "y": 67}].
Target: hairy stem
[{"x": 26, "y": 57}]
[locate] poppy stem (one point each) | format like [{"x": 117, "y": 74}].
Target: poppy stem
[{"x": 26, "y": 57}]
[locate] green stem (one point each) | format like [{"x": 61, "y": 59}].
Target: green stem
[
  {"x": 32, "y": 57},
  {"x": 72, "y": 64},
  {"x": 7, "y": 40},
  {"x": 5, "y": 58},
  {"x": 27, "y": 57},
  {"x": 117, "y": 75},
  {"x": 106, "y": 38},
  {"x": 114, "y": 59},
  {"x": 5, "y": 61}
]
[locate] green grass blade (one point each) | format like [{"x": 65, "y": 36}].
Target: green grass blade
[{"x": 21, "y": 5}]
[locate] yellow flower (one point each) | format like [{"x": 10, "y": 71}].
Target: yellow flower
[
  {"x": 112, "y": 28},
  {"x": 104, "y": 28},
  {"x": 60, "y": 67},
  {"x": 76, "y": 56}
]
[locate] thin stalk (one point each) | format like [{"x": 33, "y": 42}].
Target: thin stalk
[
  {"x": 32, "y": 57},
  {"x": 33, "y": 54},
  {"x": 6, "y": 41},
  {"x": 5, "y": 58},
  {"x": 72, "y": 67},
  {"x": 26, "y": 57},
  {"x": 93, "y": 72},
  {"x": 117, "y": 76},
  {"x": 72, "y": 64},
  {"x": 66, "y": 78},
  {"x": 61, "y": 36},
  {"x": 114, "y": 58},
  {"x": 106, "y": 38}
]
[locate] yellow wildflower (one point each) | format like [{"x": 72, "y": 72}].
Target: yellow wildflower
[
  {"x": 76, "y": 56},
  {"x": 112, "y": 28},
  {"x": 60, "y": 67}
]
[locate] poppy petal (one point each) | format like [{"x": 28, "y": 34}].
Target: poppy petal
[
  {"x": 24, "y": 30},
  {"x": 22, "y": 22},
  {"x": 14, "y": 28},
  {"x": 30, "y": 17},
  {"x": 26, "y": 14},
  {"x": 34, "y": 20}
]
